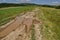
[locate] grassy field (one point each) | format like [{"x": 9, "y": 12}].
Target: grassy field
[
  {"x": 50, "y": 18},
  {"x": 6, "y": 14}
]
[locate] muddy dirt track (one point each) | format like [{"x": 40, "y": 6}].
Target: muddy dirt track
[{"x": 20, "y": 29}]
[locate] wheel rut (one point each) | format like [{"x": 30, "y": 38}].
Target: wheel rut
[{"x": 21, "y": 28}]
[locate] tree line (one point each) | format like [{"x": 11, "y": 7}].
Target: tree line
[
  {"x": 26, "y": 4},
  {"x": 52, "y": 6},
  {"x": 14, "y": 5}
]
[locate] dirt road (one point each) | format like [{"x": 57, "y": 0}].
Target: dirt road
[{"x": 20, "y": 29}]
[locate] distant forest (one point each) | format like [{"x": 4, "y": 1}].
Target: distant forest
[{"x": 26, "y": 4}]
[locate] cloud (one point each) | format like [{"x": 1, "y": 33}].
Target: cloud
[
  {"x": 55, "y": 2},
  {"x": 25, "y": 0},
  {"x": 3, "y": 0},
  {"x": 28, "y": 0}
]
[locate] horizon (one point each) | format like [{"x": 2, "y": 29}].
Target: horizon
[{"x": 48, "y": 2}]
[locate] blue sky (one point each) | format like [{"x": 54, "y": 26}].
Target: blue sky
[{"x": 32, "y": 1}]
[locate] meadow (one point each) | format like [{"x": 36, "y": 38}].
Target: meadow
[
  {"x": 50, "y": 18},
  {"x": 9, "y": 13}
]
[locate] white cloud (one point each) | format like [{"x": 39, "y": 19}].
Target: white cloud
[
  {"x": 28, "y": 0},
  {"x": 25, "y": 0},
  {"x": 55, "y": 2}
]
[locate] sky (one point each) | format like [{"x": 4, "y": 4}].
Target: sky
[{"x": 32, "y": 1}]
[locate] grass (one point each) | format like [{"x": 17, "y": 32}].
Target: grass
[
  {"x": 50, "y": 18},
  {"x": 51, "y": 23},
  {"x": 6, "y": 14},
  {"x": 33, "y": 33}
]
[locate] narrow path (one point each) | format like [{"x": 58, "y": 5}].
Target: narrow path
[{"x": 20, "y": 29}]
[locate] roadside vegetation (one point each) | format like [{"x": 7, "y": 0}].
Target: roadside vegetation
[
  {"x": 50, "y": 18},
  {"x": 6, "y": 14}
]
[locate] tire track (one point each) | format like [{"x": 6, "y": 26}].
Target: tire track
[
  {"x": 38, "y": 35},
  {"x": 20, "y": 29}
]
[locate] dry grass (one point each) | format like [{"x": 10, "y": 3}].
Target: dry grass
[{"x": 51, "y": 23}]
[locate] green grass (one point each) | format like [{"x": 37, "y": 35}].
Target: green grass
[
  {"x": 50, "y": 18},
  {"x": 6, "y": 14},
  {"x": 50, "y": 23},
  {"x": 33, "y": 33}
]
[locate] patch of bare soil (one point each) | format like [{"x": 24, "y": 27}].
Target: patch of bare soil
[{"x": 21, "y": 28}]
